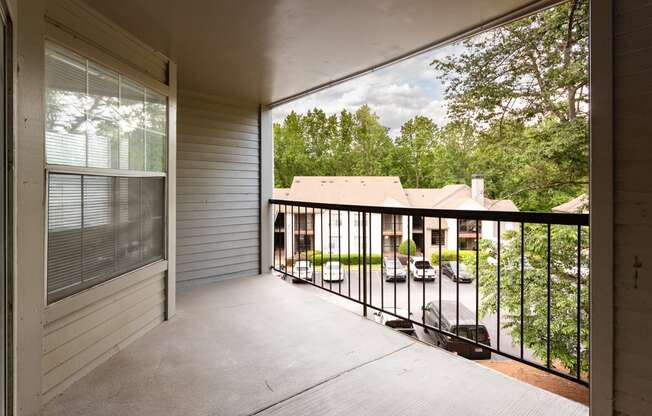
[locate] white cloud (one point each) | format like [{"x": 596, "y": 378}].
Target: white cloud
[{"x": 396, "y": 93}]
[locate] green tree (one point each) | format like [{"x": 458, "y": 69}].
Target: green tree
[
  {"x": 414, "y": 152},
  {"x": 524, "y": 86},
  {"x": 563, "y": 290},
  {"x": 371, "y": 146}
]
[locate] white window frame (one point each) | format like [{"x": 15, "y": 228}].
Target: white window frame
[{"x": 97, "y": 57}]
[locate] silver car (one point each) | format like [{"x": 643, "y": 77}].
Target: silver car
[{"x": 333, "y": 272}]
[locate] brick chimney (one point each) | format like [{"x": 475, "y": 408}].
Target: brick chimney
[{"x": 477, "y": 188}]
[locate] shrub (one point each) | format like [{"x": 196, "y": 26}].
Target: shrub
[
  {"x": 403, "y": 248},
  {"x": 466, "y": 256},
  {"x": 321, "y": 258}
]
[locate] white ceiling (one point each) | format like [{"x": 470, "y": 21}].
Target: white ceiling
[{"x": 266, "y": 50}]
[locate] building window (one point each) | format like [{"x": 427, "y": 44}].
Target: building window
[
  {"x": 304, "y": 243},
  {"x": 390, "y": 244},
  {"x": 304, "y": 222},
  {"x": 438, "y": 237},
  {"x": 392, "y": 223},
  {"x": 102, "y": 222},
  {"x": 470, "y": 226}
]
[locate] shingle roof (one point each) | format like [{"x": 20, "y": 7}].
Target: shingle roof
[
  {"x": 433, "y": 197},
  {"x": 384, "y": 191},
  {"x": 576, "y": 205}
]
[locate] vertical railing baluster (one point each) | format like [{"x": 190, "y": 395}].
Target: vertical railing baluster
[
  {"x": 305, "y": 211},
  {"x": 359, "y": 258},
  {"x": 408, "y": 264},
  {"x": 457, "y": 278},
  {"x": 286, "y": 238},
  {"x": 579, "y": 305},
  {"x": 330, "y": 251},
  {"x": 371, "y": 272},
  {"x": 548, "y": 301},
  {"x": 321, "y": 238},
  {"x": 440, "y": 275},
  {"x": 477, "y": 276},
  {"x": 498, "y": 290},
  {"x": 423, "y": 254},
  {"x": 292, "y": 237},
  {"x": 339, "y": 251},
  {"x": 364, "y": 264},
  {"x": 522, "y": 283},
  {"x": 382, "y": 257},
  {"x": 348, "y": 248},
  {"x": 305, "y": 237},
  {"x": 314, "y": 246},
  {"x": 394, "y": 246}
]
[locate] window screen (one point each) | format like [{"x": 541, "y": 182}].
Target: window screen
[
  {"x": 100, "y": 227},
  {"x": 101, "y": 224}
]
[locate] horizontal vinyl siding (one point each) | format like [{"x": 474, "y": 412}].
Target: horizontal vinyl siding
[
  {"x": 218, "y": 189},
  {"x": 633, "y": 205},
  {"x": 80, "y": 336}
]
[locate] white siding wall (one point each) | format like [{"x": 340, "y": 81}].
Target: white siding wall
[
  {"x": 633, "y": 204},
  {"x": 81, "y": 332},
  {"x": 57, "y": 344},
  {"x": 218, "y": 194}
]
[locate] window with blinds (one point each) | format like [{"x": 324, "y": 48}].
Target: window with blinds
[
  {"x": 97, "y": 118},
  {"x": 101, "y": 224}
]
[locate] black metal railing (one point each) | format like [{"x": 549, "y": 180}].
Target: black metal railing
[{"x": 528, "y": 276}]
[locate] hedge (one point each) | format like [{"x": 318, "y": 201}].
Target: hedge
[
  {"x": 466, "y": 256},
  {"x": 320, "y": 258}
]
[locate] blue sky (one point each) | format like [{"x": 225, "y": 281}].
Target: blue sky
[{"x": 396, "y": 93}]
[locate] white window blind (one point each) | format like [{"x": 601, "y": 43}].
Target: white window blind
[
  {"x": 98, "y": 118},
  {"x": 100, "y": 227},
  {"x": 101, "y": 223}
]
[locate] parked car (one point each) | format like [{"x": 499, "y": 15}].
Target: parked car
[
  {"x": 393, "y": 271},
  {"x": 421, "y": 269},
  {"x": 302, "y": 270},
  {"x": 466, "y": 329},
  {"x": 399, "y": 324},
  {"x": 449, "y": 269},
  {"x": 333, "y": 272}
]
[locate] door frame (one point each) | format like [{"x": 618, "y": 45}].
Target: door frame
[{"x": 7, "y": 287}]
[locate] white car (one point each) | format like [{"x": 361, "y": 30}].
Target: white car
[
  {"x": 393, "y": 271},
  {"x": 333, "y": 272},
  {"x": 302, "y": 270},
  {"x": 421, "y": 269}
]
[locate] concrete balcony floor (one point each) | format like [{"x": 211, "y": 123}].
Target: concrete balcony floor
[{"x": 259, "y": 346}]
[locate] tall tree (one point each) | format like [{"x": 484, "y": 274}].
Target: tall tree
[
  {"x": 525, "y": 87},
  {"x": 414, "y": 151},
  {"x": 372, "y": 144}
]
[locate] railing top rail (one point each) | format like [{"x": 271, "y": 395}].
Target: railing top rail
[{"x": 504, "y": 216}]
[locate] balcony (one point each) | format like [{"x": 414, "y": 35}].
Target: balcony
[
  {"x": 260, "y": 346},
  {"x": 520, "y": 296}
]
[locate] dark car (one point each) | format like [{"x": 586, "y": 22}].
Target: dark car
[
  {"x": 466, "y": 329},
  {"x": 449, "y": 269}
]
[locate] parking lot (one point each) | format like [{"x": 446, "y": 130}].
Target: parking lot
[{"x": 401, "y": 295}]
